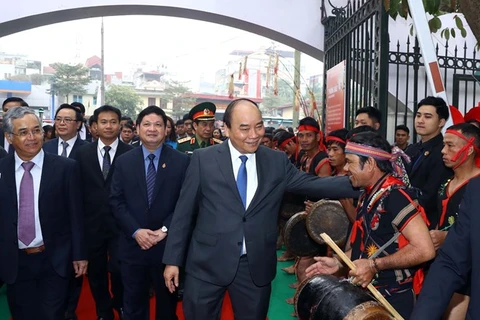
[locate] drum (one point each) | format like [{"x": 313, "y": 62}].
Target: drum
[
  {"x": 330, "y": 298},
  {"x": 289, "y": 209},
  {"x": 297, "y": 240},
  {"x": 327, "y": 216}
]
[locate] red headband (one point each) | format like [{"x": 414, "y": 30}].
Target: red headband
[
  {"x": 285, "y": 142},
  {"x": 336, "y": 139},
  {"x": 308, "y": 128},
  {"x": 463, "y": 151}
]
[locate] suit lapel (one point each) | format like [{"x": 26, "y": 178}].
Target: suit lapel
[
  {"x": 138, "y": 166},
  {"x": 224, "y": 161},
  {"x": 9, "y": 179},
  {"x": 163, "y": 164},
  {"x": 92, "y": 160},
  {"x": 262, "y": 174},
  {"x": 48, "y": 171}
]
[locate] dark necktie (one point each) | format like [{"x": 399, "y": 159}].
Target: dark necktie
[
  {"x": 242, "y": 180},
  {"x": 106, "y": 162},
  {"x": 151, "y": 175},
  {"x": 26, "y": 209},
  {"x": 64, "y": 151},
  {"x": 203, "y": 144}
]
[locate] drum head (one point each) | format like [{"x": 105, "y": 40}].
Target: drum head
[
  {"x": 327, "y": 216},
  {"x": 297, "y": 240}
]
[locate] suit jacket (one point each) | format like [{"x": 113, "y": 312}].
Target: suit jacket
[
  {"x": 60, "y": 210},
  {"x": 99, "y": 220},
  {"x": 458, "y": 256},
  {"x": 52, "y": 146},
  {"x": 2, "y": 138},
  {"x": 3, "y": 153},
  {"x": 129, "y": 200},
  {"x": 427, "y": 172},
  {"x": 221, "y": 220}
]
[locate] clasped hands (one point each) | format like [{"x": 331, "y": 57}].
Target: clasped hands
[
  {"x": 362, "y": 276},
  {"x": 147, "y": 238}
]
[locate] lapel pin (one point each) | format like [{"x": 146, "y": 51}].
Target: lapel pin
[
  {"x": 164, "y": 166},
  {"x": 426, "y": 153}
]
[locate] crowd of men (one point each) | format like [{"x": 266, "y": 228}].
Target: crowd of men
[{"x": 149, "y": 206}]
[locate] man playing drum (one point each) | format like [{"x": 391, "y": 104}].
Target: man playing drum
[{"x": 389, "y": 238}]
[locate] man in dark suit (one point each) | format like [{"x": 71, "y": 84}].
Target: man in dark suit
[
  {"x": 427, "y": 170},
  {"x": 83, "y": 132},
  {"x": 230, "y": 201},
  {"x": 97, "y": 162},
  {"x": 67, "y": 123},
  {"x": 458, "y": 257},
  {"x": 7, "y": 105},
  {"x": 145, "y": 188},
  {"x": 41, "y": 222}
]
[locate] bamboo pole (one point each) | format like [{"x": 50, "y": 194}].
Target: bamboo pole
[{"x": 370, "y": 286}]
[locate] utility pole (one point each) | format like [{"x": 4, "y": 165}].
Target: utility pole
[
  {"x": 296, "y": 86},
  {"x": 102, "y": 80}
]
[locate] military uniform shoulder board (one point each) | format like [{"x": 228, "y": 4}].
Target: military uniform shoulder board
[
  {"x": 192, "y": 140},
  {"x": 183, "y": 140},
  {"x": 217, "y": 140}
]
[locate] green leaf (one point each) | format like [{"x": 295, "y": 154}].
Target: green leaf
[
  {"x": 447, "y": 34},
  {"x": 435, "y": 6},
  {"x": 404, "y": 9},
  {"x": 463, "y": 32},
  {"x": 458, "y": 22},
  {"x": 452, "y": 32},
  {"x": 411, "y": 30}
]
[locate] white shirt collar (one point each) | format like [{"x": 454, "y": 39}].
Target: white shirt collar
[
  {"x": 114, "y": 145},
  {"x": 235, "y": 154},
  {"x": 37, "y": 160},
  {"x": 70, "y": 142}
]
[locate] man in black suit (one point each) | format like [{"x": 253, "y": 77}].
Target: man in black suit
[
  {"x": 458, "y": 257},
  {"x": 41, "y": 222},
  {"x": 67, "y": 123},
  {"x": 230, "y": 202},
  {"x": 7, "y": 105},
  {"x": 83, "y": 132},
  {"x": 97, "y": 162},
  {"x": 145, "y": 188}
]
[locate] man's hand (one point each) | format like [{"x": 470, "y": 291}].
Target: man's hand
[
  {"x": 171, "y": 277},
  {"x": 438, "y": 237},
  {"x": 146, "y": 238},
  {"x": 308, "y": 206},
  {"x": 80, "y": 267},
  {"x": 159, "y": 235},
  {"x": 324, "y": 265},
  {"x": 363, "y": 274}
]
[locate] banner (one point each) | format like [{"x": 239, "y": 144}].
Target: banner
[{"x": 335, "y": 102}]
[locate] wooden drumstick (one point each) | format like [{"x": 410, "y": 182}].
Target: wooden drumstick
[{"x": 352, "y": 266}]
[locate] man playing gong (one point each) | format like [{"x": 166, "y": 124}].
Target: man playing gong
[{"x": 389, "y": 238}]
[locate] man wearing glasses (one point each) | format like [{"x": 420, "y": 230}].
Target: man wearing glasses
[{"x": 68, "y": 121}]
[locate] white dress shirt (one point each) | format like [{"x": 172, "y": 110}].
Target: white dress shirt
[
  {"x": 36, "y": 172},
  {"x": 101, "y": 151},
  {"x": 252, "y": 178},
  {"x": 6, "y": 145},
  {"x": 83, "y": 132},
  {"x": 70, "y": 142}
]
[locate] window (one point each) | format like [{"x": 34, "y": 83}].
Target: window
[
  {"x": 152, "y": 101},
  {"x": 77, "y": 98}
]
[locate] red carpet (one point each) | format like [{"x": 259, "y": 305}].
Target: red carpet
[{"x": 86, "y": 307}]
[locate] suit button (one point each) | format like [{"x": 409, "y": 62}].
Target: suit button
[{"x": 244, "y": 219}]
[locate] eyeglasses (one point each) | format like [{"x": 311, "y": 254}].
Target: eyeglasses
[
  {"x": 66, "y": 120},
  {"x": 25, "y": 133}
]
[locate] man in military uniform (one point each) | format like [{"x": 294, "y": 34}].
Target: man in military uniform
[{"x": 203, "y": 117}]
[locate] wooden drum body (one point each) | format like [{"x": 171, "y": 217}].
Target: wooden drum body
[
  {"x": 327, "y": 216},
  {"x": 325, "y": 297},
  {"x": 297, "y": 240}
]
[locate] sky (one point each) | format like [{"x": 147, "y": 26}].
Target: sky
[{"x": 189, "y": 48}]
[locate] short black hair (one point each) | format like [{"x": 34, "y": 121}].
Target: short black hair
[
  {"x": 282, "y": 136},
  {"x": 439, "y": 104},
  {"x": 227, "y": 116},
  {"x": 14, "y": 99},
  {"x": 108, "y": 108},
  {"x": 309, "y": 121},
  {"x": 126, "y": 118},
  {"x": 373, "y": 113},
  {"x": 149, "y": 110},
  {"x": 469, "y": 131},
  {"x": 79, "y": 105},
  {"x": 358, "y": 130},
  {"x": 179, "y": 122},
  {"x": 78, "y": 115},
  {"x": 128, "y": 126},
  {"x": 186, "y": 117},
  {"x": 341, "y": 134},
  {"x": 374, "y": 139},
  {"x": 92, "y": 120},
  {"x": 403, "y": 128}
]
